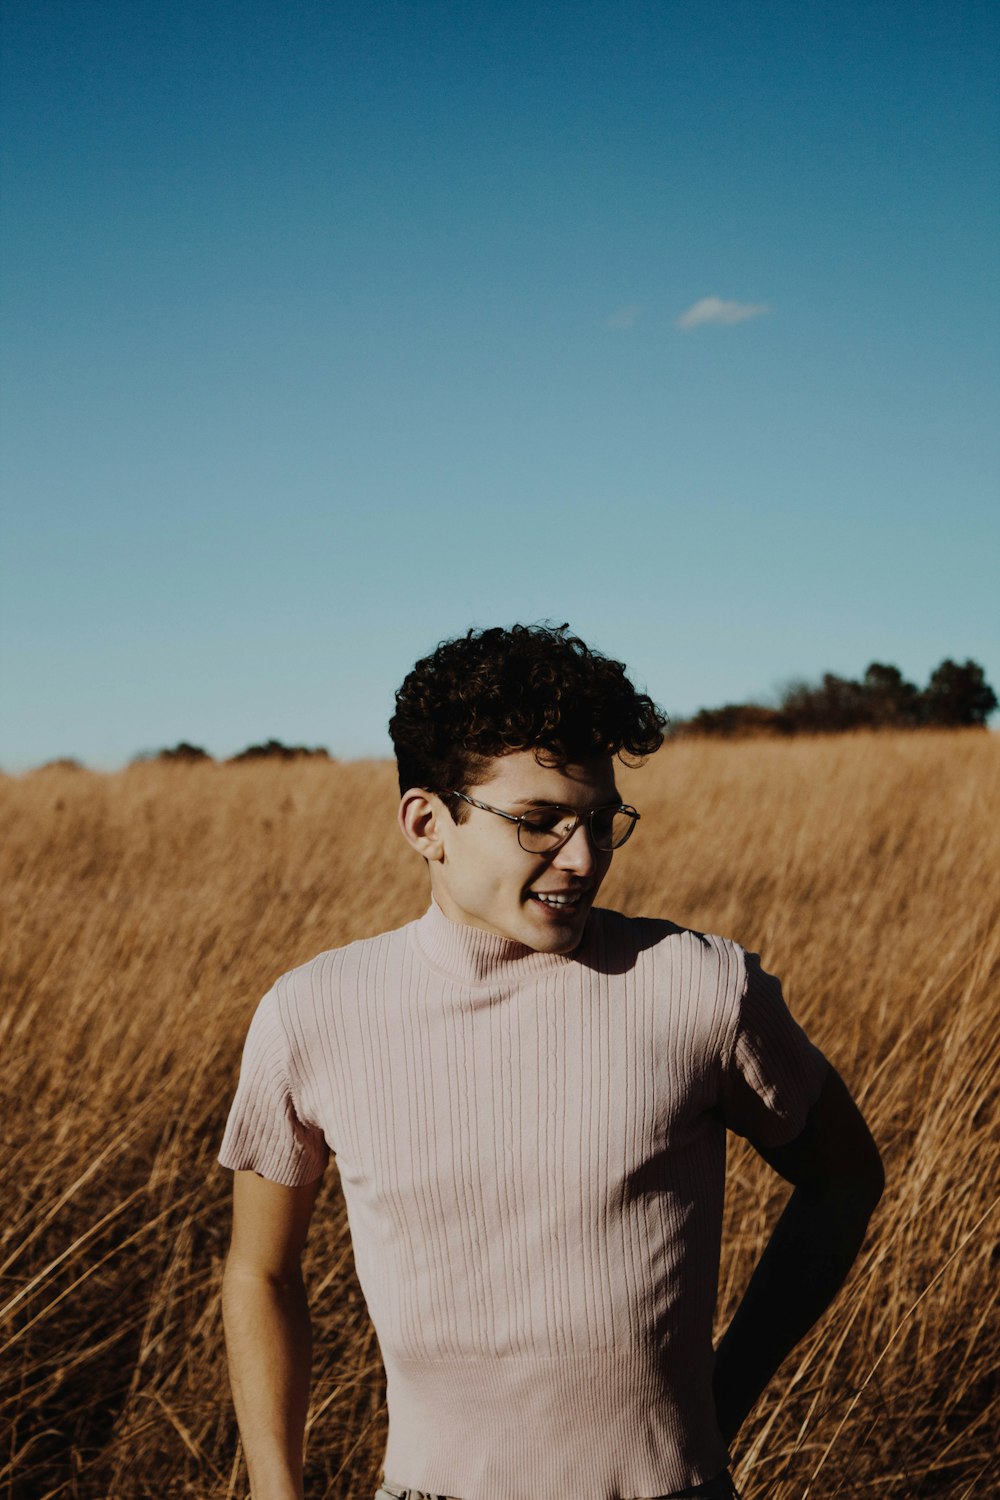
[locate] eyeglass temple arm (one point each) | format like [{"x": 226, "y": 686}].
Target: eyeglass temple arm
[{"x": 485, "y": 807}]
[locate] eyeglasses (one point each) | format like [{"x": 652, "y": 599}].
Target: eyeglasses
[{"x": 542, "y": 830}]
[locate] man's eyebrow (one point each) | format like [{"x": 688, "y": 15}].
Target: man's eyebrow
[{"x": 547, "y": 802}]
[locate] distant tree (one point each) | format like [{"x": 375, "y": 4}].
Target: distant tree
[
  {"x": 890, "y": 700},
  {"x": 275, "y": 750},
  {"x": 737, "y": 721},
  {"x": 835, "y": 704},
  {"x": 958, "y": 695},
  {"x": 184, "y": 752}
]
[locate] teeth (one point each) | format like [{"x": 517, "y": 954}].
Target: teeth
[{"x": 556, "y": 900}]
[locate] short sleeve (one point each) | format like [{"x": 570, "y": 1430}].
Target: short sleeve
[
  {"x": 772, "y": 1073},
  {"x": 265, "y": 1132}
]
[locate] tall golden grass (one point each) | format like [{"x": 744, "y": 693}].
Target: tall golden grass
[{"x": 145, "y": 912}]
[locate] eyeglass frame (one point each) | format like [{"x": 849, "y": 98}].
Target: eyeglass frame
[{"x": 578, "y": 819}]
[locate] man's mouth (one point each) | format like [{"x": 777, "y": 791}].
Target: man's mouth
[{"x": 558, "y": 900}]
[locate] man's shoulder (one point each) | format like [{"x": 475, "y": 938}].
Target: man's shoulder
[
  {"x": 659, "y": 938},
  {"x": 691, "y": 982}
]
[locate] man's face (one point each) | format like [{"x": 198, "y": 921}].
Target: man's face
[{"x": 485, "y": 879}]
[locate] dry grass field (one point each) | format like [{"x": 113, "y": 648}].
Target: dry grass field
[{"x": 145, "y": 912}]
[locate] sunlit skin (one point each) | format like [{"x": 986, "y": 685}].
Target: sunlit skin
[{"x": 482, "y": 877}]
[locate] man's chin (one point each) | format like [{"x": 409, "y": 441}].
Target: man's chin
[
  {"x": 569, "y": 946},
  {"x": 556, "y": 935}
]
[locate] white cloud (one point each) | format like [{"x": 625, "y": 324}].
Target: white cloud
[
  {"x": 715, "y": 310},
  {"x": 623, "y": 317}
]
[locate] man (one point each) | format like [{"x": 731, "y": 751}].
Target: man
[{"x": 528, "y": 1100}]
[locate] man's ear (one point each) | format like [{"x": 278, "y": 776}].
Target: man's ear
[{"x": 420, "y": 817}]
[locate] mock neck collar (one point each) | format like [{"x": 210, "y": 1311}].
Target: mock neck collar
[{"x": 472, "y": 956}]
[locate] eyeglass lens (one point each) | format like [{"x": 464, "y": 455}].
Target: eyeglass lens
[{"x": 609, "y": 827}]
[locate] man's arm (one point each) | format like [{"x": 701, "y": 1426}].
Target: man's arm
[
  {"x": 837, "y": 1172},
  {"x": 268, "y": 1336}
]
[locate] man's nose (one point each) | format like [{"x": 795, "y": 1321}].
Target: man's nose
[{"x": 578, "y": 853}]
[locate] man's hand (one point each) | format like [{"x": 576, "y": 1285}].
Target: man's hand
[
  {"x": 837, "y": 1172},
  {"x": 268, "y": 1337}
]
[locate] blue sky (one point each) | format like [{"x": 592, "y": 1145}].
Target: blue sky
[{"x": 332, "y": 329}]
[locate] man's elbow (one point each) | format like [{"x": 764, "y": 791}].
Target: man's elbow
[
  {"x": 866, "y": 1169},
  {"x": 859, "y": 1189},
  {"x": 844, "y": 1159},
  {"x": 872, "y": 1183}
]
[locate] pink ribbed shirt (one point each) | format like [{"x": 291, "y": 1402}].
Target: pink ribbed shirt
[{"x": 532, "y": 1153}]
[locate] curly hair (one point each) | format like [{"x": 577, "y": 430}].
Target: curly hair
[{"x": 532, "y": 687}]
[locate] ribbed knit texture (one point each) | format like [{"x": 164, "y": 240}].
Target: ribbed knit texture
[{"x": 532, "y": 1152}]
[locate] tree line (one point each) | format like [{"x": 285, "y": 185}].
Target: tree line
[
  {"x": 268, "y": 750},
  {"x": 957, "y": 696}
]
